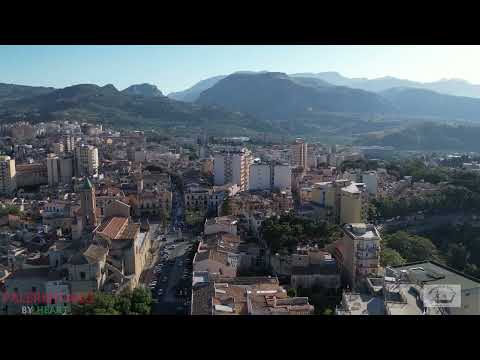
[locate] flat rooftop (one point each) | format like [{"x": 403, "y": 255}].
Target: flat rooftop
[
  {"x": 430, "y": 272},
  {"x": 364, "y": 304}
]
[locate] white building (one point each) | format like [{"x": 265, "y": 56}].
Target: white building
[
  {"x": 86, "y": 158},
  {"x": 53, "y": 169},
  {"x": 232, "y": 165},
  {"x": 270, "y": 176},
  {"x": 260, "y": 177}
]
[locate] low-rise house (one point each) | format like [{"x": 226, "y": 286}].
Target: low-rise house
[
  {"x": 220, "y": 224},
  {"x": 307, "y": 267},
  {"x": 152, "y": 203},
  {"x": 197, "y": 198},
  {"x": 28, "y": 286},
  {"x": 58, "y": 214},
  {"x": 246, "y": 296},
  {"x": 216, "y": 263}
]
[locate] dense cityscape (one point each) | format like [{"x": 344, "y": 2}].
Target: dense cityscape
[{"x": 102, "y": 220}]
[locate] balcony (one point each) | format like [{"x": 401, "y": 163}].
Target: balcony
[{"x": 367, "y": 255}]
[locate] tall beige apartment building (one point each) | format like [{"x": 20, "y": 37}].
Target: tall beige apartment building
[
  {"x": 8, "y": 182},
  {"x": 359, "y": 252},
  {"x": 299, "y": 153},
  {"x": 351, "y": 205},
  {"x": 86, "y": 160},
  {"x": 232, "y": 165}
]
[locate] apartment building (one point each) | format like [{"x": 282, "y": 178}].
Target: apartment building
[
  {"x": 358, "y": 252},
  {"x": 53, "y": 169},
  {"x": 232, "y": 165},
  {"x": 350, "y": 205},
  {"x": 8, "y": 183},
  {"x": 197, "y": 198},
  {"x": 299, "y": 154},
  {"x": 31, "y": 174},
  {"x": 58, "y": 148},
  {"x": 246, "y": 296},
  {"x": 369, "y": 178},
  {"x": 86, "y": 160},
  {"x": 270, "y": 176},
  {"x": 68, "y": 143},
  {"x": 345, "y": 202}
]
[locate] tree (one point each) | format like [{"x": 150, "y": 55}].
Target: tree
[
  {"x": 412, "y": 247},
  {"x": 457, "y": 256},
  {"x": 226, "y": 207},
  {"x": 9, "y": 209},
  {"x": 328, "y": 312},
  {"x": 292, "y": 292},
  {"x": 136, "y": 302},
  {"x": 390, "y": 257},
  {"x": 141, "y": 301}
]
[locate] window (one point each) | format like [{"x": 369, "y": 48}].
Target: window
[{"x": 82, "y": 275}]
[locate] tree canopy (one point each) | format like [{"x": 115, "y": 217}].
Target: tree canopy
[
  {"x": 288, "y": 231},
  {"x": 409, "y": 247},
  {"x": 136, "y": 302}
]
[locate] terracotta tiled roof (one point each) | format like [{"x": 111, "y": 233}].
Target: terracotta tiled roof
[{"x": 113, "y": 227}]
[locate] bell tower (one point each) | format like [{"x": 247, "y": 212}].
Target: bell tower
[{"x": 88, "y": 205}]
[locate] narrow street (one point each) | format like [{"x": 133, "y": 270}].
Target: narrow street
[{"x": 171, "y": 272}]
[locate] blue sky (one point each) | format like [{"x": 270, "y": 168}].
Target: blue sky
[{"x": 176, "y": 67}]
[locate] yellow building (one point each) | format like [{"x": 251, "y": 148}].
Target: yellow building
[{"x": 351, "y": 205}]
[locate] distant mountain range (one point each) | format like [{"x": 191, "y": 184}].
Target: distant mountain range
[
  {"x": 457, "y": 87},
  {"x": 277, "y": 97},
  {"x": 146, "y": 90},
  {"x": 15, "y": 92},
  {"x": 428, "y": 136},
  {"x": 324, "y": 105},
  {"x": 426, "y": 103},
  {"x": 144, "y": 109},
  {"x": 192, "y": 94}
]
